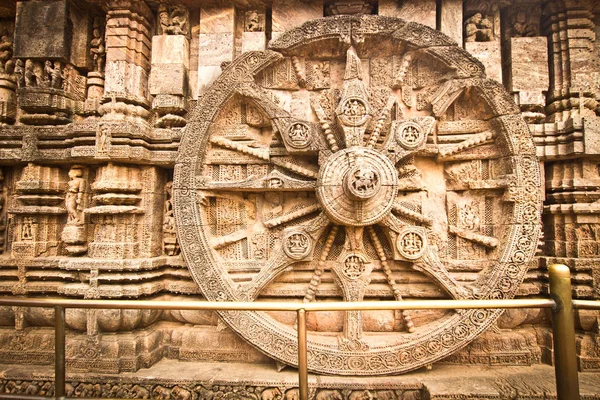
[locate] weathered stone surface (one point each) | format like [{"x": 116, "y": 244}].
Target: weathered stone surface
[
  {"x": 362, "y": 157},
  {"x": 42, "y": 30},
  {"x": 489, "y": 55}
]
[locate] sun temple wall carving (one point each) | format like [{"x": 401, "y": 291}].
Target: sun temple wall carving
[{"x": 312, "y": 151}]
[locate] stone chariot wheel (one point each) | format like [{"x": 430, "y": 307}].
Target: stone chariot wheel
[{"x": 360, "y": 158}]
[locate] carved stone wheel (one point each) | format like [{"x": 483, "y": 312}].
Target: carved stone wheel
[{"x": 358, "y": 158}]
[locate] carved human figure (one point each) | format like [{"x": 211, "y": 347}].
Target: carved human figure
[
  {"x": 478, "y": 29},
  {"x": 164, "y": 20},
  {"x": 169, "y": 224},
  {"x": 253, "y": 22},
  {"x": 5, "y": 52},
  {"x": 174, "y": 21},
  {"x": 27, "y": 229},
  {"x": 29, "y": 75},
  {"x": 521, "y": 28},
  {"x": 74, "y": 196},
  {"x": 103, "y": 138},
  {"x": 20, "y": 73},
  {"x": 98, "y": 50},
  {"x": 55, "y": 75},
  {"x": 179, "y": 20}
]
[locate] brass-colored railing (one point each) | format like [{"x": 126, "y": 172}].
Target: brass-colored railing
[{"x": 561, "y": 303}]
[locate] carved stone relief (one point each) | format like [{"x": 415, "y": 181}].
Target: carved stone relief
[{"x": 365, "y": 200}]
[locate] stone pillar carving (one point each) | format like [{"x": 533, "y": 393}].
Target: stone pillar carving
[
  {"x": 217, "y": 26},
  {"x": 571, "y": 34},
  {"x": 95, "y": 78},
  {"x": 8, "y": 80},
  {"x": 126, "y": 212},
  {"x": 526, "y": 60},
  {"x": 116, "y": 212},
  {"x": 482, "y": 35},
  {"x": 74, "y": 234},
  {"x": 170, "y": 66},
  {"x": 421, "y": 11},
  {"x": 451, "y": 12},
  {"x": 171, "y": 245},
  {"x": 128, "y": 26},
  {"x": 38, "y": 212}
]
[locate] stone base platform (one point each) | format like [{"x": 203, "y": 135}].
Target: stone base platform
[{"x": 171, "y": 379}]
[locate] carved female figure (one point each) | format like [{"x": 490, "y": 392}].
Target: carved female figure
[
  {"x": 74, "y": 196},
  {"x": 97, "y": 50}
]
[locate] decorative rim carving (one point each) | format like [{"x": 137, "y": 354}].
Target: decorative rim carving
[{"x": 402, "y": 351}]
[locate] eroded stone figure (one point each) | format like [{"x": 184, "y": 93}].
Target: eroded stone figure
[
  {"x": 98, "y": 50},
  {"x": 74, "y": 196},
  {"x": 478, "y": 29}
]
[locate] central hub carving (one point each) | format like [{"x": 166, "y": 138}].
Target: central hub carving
[
  {"x": 362, "y": 182},
  {"x": 357, "y": 186}
]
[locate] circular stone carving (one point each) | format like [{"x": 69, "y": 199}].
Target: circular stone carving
[
  {"x": 297, "y": 245},
  {"x": 299, "y": 135},
  {"x": 354, "y": 266},
  {"x": 362, "y": 182},
  {"x": 354, "y": 112},
  {"x": 250, "y": 214},
  {"x": 357, "y": 186},
  {"x": 410, "y": 135},
  {"x": 412, "y": 243}
]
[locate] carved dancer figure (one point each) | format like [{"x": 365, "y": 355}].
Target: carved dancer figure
[
  {"x": 20, "y": 73},
  {"x": 55, "y": 75},
  {"x": 74, "y": 196},
  {"x": 103, "y": 139},
  {"x": 98, "y": 50}
]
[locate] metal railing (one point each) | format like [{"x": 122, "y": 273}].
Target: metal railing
[{"x": 561, "y": 303}]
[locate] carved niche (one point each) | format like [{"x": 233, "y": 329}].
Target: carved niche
[{"x": 418, "y": 183}]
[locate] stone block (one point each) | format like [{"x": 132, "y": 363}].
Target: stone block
[
  {"x": 489, "y": 55},
  {"x": 288, "y": 14},
  {"x": 171, "y": 49},
  {"x": 421, "y": 11},
  {"x": 451, "y": 21},
  {"x": 217, "y": 20},
  {"x": 81, "y": 36},
  {"x": 529, "y": 64},
  {"x": 215, "y": 48},
  {"x": 41, "y": 30},
  {"x": 253, "y": 41},
  {"x": 168, "y": 79}
]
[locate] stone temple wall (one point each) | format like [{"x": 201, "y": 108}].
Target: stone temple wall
[{"x": 188, "y": 150}]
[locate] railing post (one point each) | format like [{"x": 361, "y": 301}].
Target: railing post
[
  {"x": 59, "y": 352},
  {"x": 563, "y": 326},
  {"x": 302, "y": 359}
]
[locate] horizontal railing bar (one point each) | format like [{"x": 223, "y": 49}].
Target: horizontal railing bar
[
  {"x": 17, "y": 396},
  {"x": 586, "y": 304},
  {"x": 279, "y": 306}
]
